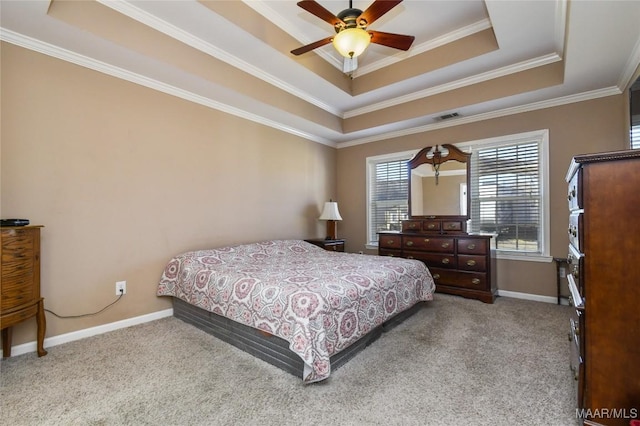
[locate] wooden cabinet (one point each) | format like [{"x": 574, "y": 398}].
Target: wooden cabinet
[
  {"x": 20, "y": 287},
  {"x": 604, "y": 284},
  {"x": 461, "y": 264},
  {"x": 330, "y": 245}
]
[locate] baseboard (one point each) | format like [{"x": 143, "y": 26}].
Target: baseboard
[
  {"x": 528, "y": 296},
  {"x": 88, "y": 332},
  {"x": 94, "y": 331}
]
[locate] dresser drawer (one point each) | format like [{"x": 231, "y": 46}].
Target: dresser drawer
[
  {"x": 452, "y": 226},
  {"x": 437, "y": 244},
  {"x": 574, "y": 193},
  {"x": 387, "y": 241},
  {"x": 575, "y": 260},
  {"x": 17, "y": 291},
  {"x": 471, "y": 280},
  {"x": 433, "y": 259},
  {"x": 431, "y": 225},
  {"x": 473, "y": 246},
  {"x": 389, "y": 252},
  {"x": 472, "y": 263},
  {"x": 576, "y": 362},
  {"x": 576, "y": 230},
  {"x": 411, "y": 225},
  {"x": 19, "y": 314}
]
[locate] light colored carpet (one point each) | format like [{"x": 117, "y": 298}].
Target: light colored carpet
[{"x": 455, "y": 362}]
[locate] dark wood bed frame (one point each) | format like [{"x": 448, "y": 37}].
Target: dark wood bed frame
[{"x": 270, "y": 348}]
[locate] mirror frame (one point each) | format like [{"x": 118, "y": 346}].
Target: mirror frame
[{"x": 454, "y": 155}]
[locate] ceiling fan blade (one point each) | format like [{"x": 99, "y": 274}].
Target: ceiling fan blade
[
  {"x": 376, "y": 10},
  {"x": 397, "y": 41},
  {"x": 309, "y": 47},
  {"x": 319, "y": 11}
]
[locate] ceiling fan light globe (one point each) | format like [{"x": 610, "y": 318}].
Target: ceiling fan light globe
[{"x": 351, "y": 42}]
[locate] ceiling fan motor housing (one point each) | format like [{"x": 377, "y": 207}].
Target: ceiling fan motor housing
[{"x": 349, "y": 17}]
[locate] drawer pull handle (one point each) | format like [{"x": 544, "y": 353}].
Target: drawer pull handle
[
  {"x": 409, "y": 257},
  {"x": 475, "y": 281},
  {"x": 451, "y": 225},
  {"x": 471, "y": 246},
  {"x": 445, "y": 245},
  {"x": 409, "y": 243},
  {"x": 436, "y": 276},
  {"x": 471, "y": 262},
  {"x": 426, "y": 241},
  {"x": 431, "y": 226},
  {"x": 445, "y": 260},
  {"x": 390, "y": 242},
  {"x": 575, "y": 372},
  {"x": 412, "y": 225}
]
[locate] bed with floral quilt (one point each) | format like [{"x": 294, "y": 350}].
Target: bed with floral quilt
[{"x": 293, "y": 304}]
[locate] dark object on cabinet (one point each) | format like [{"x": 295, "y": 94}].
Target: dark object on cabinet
[
  {"x": 330, "y": 245},
  {"x": 20, "y": 290},
  {"x": 14, "y": 222},
  {"x": 604, "y": 283}
]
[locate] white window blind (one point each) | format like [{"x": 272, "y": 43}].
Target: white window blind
[
  {"x": 506, "y": 196},
  {"x": 388, "y": 192},
  {"x": 634, "y": 104}
]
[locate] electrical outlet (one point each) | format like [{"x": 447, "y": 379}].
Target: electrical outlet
[
  {"x": 121, "y": 288},
  {"x": 563, "y": 272}
]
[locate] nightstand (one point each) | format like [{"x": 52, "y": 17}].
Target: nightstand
[{"x": 330, "y": 245}]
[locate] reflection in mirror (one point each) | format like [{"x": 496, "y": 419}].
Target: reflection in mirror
[
  {"x": 439, "y": 176},
  {"x": 437, "y": 196}
]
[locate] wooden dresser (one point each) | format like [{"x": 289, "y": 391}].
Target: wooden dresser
[
  {"x": 20, "y": 288},
  {"x": 604, "y": 283},
  {"x": 461, "y": 264}
]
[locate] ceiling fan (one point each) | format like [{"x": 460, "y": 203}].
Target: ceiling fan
[{"x": 352, "y": 36}]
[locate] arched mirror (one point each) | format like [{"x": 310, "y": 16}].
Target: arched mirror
[{"x": 438, "y": 184}]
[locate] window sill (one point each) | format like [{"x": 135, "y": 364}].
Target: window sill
[{"x": 524, "y": 257}]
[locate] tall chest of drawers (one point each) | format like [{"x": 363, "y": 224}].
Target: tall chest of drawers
[
  {"x": 604, "y": 283},
  {"x": 461, "y": 264},
  {"x": 20, "y": 287}
]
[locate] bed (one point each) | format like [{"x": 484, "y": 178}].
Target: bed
[{"x": 293, "y": 304}]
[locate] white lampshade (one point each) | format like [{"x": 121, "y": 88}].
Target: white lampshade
[
  {"x": 330, "y": 211},
  {"x": 351, "y": 42}
]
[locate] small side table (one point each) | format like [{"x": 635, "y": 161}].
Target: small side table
[
  {"x": 561, "y": 272},
  {"x": 330, "y": 245}
]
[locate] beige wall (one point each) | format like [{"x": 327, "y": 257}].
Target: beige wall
[
  {"x": 591, "y": 126},
  {"x": 124, "y": 177}
]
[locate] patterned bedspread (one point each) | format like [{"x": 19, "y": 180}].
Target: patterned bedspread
[{"x": 319, "y": 301}]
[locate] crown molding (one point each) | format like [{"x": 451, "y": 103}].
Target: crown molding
[
  {"x": 102, "y": 67},
  {"x": 580, "y": 97},
  {"x": 133, "y": 12},
  {"x": 418, "y": 49},
  {"x": 630, "y": 68},
  {"x": 475, "y": 79}
]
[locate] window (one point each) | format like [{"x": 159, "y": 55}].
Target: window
[
  {"x": 634, "y": 101},
  {"x": 509, "y": 195},
  {"x": 387, "y": 192}
]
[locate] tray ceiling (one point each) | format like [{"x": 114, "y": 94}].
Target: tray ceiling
[{"x": 479, "y": 59}]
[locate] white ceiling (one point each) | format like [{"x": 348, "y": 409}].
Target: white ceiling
[{"x": 599, "y": 42}]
